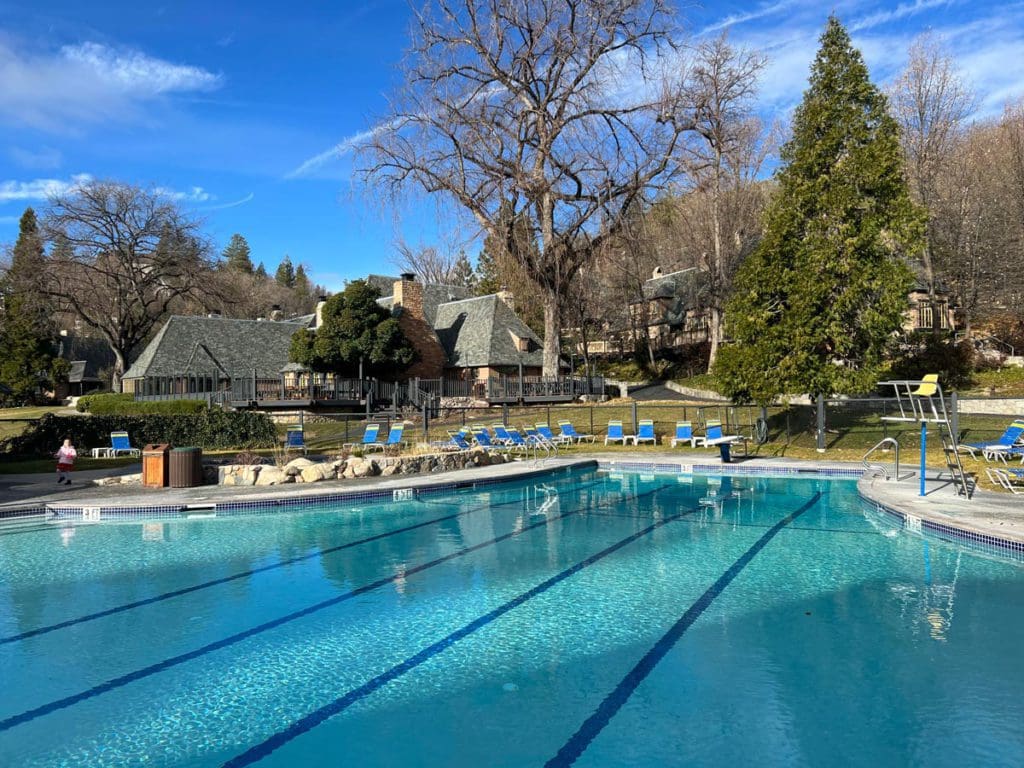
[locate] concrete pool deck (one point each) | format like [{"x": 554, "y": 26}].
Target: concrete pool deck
[{"x": 986, "y": 515}]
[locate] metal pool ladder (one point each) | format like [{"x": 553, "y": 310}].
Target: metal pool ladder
[{"x": 880, "y": 468}]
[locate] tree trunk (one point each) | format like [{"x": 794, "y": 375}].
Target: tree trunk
[
  {"x": 715, "y": 333},
  {"x": 119, "y": 369},
  {"x": 552, "y": 331}
]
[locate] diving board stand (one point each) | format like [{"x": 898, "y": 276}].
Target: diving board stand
[{"x": 922, "y": 401}]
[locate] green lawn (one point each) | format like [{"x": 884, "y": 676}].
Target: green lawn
[
  {"x": 26, "y": 466},
  {"x": 13, "y": 421},
  {"x": 1004, "y": 382}
]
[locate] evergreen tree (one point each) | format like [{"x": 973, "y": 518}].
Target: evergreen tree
[
  {"x": 462, "y": 272},
  {"x": 815, "y": 305},
  {"x": 355, "y": 327},
  {"x": 285, "y": 275},
  {"x": 261, "y": 272},
  {"x": 236, "y": 255},
  {"x": 488, "y": 280},
  {"x": 301, "y": 283},
  {"x": 26, "y": 331}
]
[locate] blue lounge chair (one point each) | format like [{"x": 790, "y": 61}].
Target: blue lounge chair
[
  {"x": 295, "y": 439},
  {"x": 1007, "y": 478},
  {"x": 502, "y": 435},
  {"x": 616, "y": 435},
  {"x": 645, "y": 433},
  {"x": 713, "y": 437},
  {"x": 458, "y": 441},
  {"x": 545, "y": 432},
  {"x": 1006, "y": 441},
  {"x": 369, "y": 437},
  {"x": 120, "y": 445},
  {"x": 516, "y": 439},
  {"x": 483, "y": 438},
  {"x": 394, "y": 438},
  {"x": 569, "y": 431},
  {"x": 684, "y": 434}
]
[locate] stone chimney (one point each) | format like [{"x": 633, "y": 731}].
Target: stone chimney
[
  {"x": 408, "y": 294},
  {"x": 275, "y": 313},
  {"x": 407, "y": 299},
  {"x": 507, "y": 298},
  {"x": 319, "y": 319}
]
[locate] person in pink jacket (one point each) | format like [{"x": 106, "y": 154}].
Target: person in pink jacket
[{"x": 66, "y": 456}]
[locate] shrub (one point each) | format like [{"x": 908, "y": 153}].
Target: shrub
[
  {"x": 111, "y": 404},
  {"x": 211, "y": 429},
  {"x": 952, "y": 361}
]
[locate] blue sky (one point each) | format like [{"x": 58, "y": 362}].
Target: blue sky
[{"x": 244, "y": 111}]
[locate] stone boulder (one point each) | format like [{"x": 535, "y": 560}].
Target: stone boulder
[
  {"x": 271, "y": 476},
  {"x": 317, "y": 472},
  {"x": 295, "y": 466}
]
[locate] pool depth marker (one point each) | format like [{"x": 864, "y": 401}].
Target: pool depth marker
[{"x": 613, "y": 702}]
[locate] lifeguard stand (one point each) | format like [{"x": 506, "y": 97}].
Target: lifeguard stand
[{"x": 922, "y": 401}]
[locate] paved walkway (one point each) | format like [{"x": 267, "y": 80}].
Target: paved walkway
[{"x": 15, "y": 490}]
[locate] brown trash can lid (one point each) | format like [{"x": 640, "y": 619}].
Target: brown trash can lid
[{"x": 157, "y": 447}]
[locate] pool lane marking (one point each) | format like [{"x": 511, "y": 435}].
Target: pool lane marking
[
  {"x": 160, "y": 666},
  {"x": 241, "y": 575},
  {"x": 593, "y": 725},
  {"x": 318, "y": 716}
]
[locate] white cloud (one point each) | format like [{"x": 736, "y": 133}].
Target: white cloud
[
  {"x": 40, "y": 189},
  {"x": 192, "y": 195},
  {"x": 338, "y": 151},
  {"x": 233, "y": 204},
  {"x": 763, "y": 10},
  {"x": 899, "y": 12},
  {"x": 88, "y": 83},
  {"x": 43, "y": 189}
]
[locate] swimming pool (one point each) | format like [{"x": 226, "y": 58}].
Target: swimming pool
[{"x": 583, "y": 618}]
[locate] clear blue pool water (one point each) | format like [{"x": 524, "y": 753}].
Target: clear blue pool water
[{"x": 585, "y": 618}]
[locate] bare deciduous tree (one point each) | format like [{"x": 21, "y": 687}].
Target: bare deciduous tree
[
  {"x": 722, "y": 211},
  {"x": 567, "y": 113},
  {"x": 932, "y": 104},
  {"x": 126, "y": 255},
  {"x": 434, "y": 265}
]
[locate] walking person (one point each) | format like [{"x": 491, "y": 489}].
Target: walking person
[{"x": 65, "y": 456}]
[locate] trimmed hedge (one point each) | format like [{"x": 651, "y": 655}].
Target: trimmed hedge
[
  {"x": 211, "y": 429},
  {"x": 111, "y": 404}
]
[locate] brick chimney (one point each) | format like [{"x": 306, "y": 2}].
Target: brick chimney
[{"x": 407, "y": 298}]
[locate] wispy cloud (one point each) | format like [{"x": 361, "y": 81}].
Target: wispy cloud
[
  {"x": 192, "y": 195},
  {"x": 763, "y": 10},
  {"x": 88, "y": 83},
  {"x": 233, "y": 204},
  {"x": 338, "y": 151},
  {"x": 40, "y": 189},
  {"x": 901, "y": 11},
  {"x": 43, "y": 189}
]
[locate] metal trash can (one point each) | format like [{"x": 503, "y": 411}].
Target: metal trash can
[
  {"x": 186, "y": 467},
  {"x": 154, "y": 465}
]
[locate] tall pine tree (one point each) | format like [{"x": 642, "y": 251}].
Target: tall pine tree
[
  {"x": 28, "y": 363},
  {"x": 285, "y": 275},
  {"x": 237, "y": 254},
  {"x": 813, "y": 308}
]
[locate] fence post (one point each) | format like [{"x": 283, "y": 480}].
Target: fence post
[
  {"x": 954, "y": 406},
  {"x": 591, "y": 419},
  {"x": 634, "y": 417},
  {"x": 504, "y": 414},
  {"x": 426, "y": 423},
  {"x": 821, "y": 424}
]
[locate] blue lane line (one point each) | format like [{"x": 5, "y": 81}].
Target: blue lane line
[
  {"x": 240, "y": 575},
  {"x": 315, "y": 718},
  {"x": 166, "y": 664},
  {"x": 593, "y": 725}
]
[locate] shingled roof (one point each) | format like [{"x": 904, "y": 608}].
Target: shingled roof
[
  {"x": 89, "y": 357},
  {"x": 205, "y": 345},
  {"x": 480, "y": 332}
]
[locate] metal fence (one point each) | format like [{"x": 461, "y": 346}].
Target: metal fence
[{"x": 849, "y": 424}]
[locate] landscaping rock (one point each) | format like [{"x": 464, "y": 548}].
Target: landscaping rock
[
  {"x": 317, "y": 472},
  {"x": 271, "y": 476},
  {"x": 295, "y": 466}
]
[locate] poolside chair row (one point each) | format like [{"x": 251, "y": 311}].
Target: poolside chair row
[
  {"x": 371, "y": 438},
  {"x": 507, "y": 438},
  {"x": 684, "y": 434}
]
